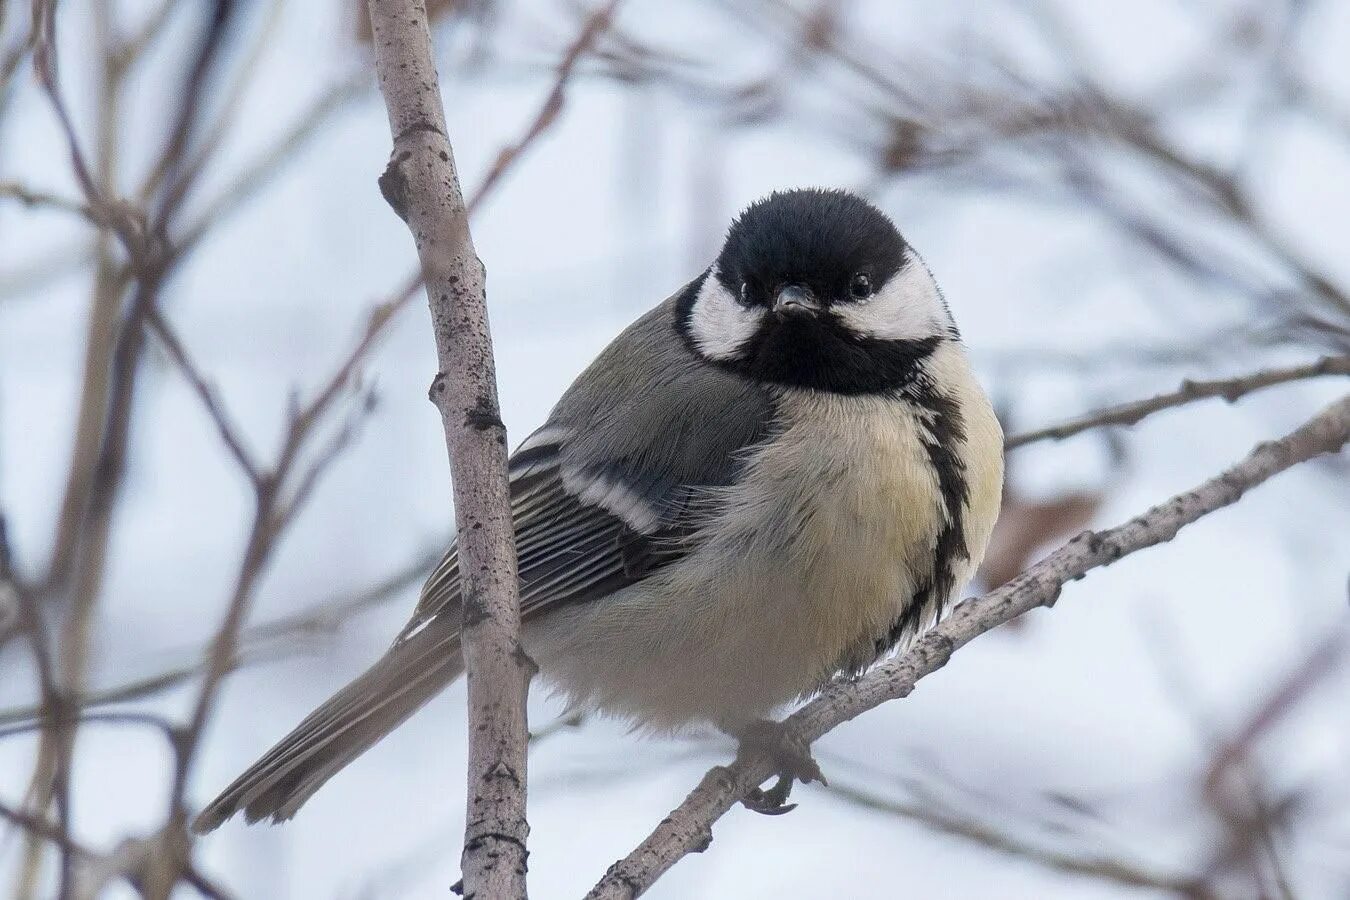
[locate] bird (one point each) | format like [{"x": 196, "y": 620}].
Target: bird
[{"x": 772, "y": 479}]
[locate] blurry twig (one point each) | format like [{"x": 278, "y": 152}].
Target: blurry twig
[
  {"x": 40, "y": 827},
  {"x": 173, "y": 172},
  {"x": 270, "y": 162},
  {"x": 117, "y": 337},
  {"x": 327, "y": 616},
  {"x": 32, "y": 197},
  {"x": 11, "y": 58},
  {"x": 133, "y": 861},
  {"x": 133, "y": 48},
  {"x": 1314, "y": 668},
  {"x": 191, "y": 165},
  {"x": 1230, "y": 389},
  {"x": 44, "y": 830},
  {"x": 933, "y": 813},
  {"x": 279, "y": 492},
  {"x": 595, "y": 25},
  {"x": 229, "y": 435},
  {"x": 111, "y": 717},
  {"x": 112, "y": 366},
  {"x": 264, "y": 642},
  {"x": 51, "y": 777},
  {"x": 1234, "y": 788}
]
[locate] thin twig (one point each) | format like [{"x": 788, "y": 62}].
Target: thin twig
[
  {"x": 1286, "y": 694},
  {"x": 261, "y": 643},
  {"x": 31, "y": 197},
  {"x": 1005, "y": 841},
  {"x": 133, "y": 48},
  {"x": 115, "y": 717},
  {"x": 595, "y": 25},
  {"x": 1230, "y": 389},
  {"x": 213, "y": 405},
  {"x": 51, "y": 776},
  {"x": 258, "y": 173},
  {"x": 43, "y": 829},
  {"x": 279, "y": 493},
  {"x": 227, "y": 109},
  {"x": 205, "y": 886},
  {"x": 178, "y": 176}
]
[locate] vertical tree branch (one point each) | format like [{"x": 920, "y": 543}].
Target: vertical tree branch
[{"x": 422, "y": 186}]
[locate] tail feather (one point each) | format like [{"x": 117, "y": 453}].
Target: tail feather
[{"x": 351, "y": 722}]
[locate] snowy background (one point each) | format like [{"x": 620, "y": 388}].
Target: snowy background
[{"x": 1086, "y": 730}]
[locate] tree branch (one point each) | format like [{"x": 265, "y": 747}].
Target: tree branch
[
  {"x": 548, "y": 112},
  {"x": 422, "y": 185},
  {"x": 211, "y": 402},
  {"x": 1230, "y": 389},
  {"x": 932, "y": 813},
  {"x": 688, "y": 829},
  {"x": 32, "y": 197}
]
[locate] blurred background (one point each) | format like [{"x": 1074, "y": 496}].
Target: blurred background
[{"x": 1113, "y": 196}]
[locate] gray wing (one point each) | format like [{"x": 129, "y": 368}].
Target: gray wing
[{"x": 603, "y": 494}]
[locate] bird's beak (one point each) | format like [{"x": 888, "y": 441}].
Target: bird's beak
[{"x": 795, "y": 299}]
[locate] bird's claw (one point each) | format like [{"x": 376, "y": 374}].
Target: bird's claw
[
  {"x": 793, "y": 759},
  {"x": 771, "y": 802}
]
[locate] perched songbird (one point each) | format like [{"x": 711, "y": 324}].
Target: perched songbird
[{"x": 774, "y": 477}]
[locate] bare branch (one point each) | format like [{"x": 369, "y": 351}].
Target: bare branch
[
  {"x": 1230, "y": 389},
  {"x": 422, "y": 185},
  {"x": 595, "y": 25},
  {"x": 115, "y": 717},
  {"x": 279, "y": 494},
  {"x": 261, "y": 643},
  {"x": 939, "y": 817},
  {"x": 44, "y": 64},
  {"x": 688, "y": 828},
  {"x": 229, "y": 435},
  {"x": 178, "y": 176},
  {"x": 32, "y": 197},
  {"x": 51, "y": 776},
  {"x": 42, "y": 829},
  {"x": 192, "y": 165},
  {"x": 1291, "y": 689},
  {"x": 134, "y": 47},
  {"x": 269, "y": 163}
]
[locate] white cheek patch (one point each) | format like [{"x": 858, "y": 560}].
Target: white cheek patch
[
  {"x": 719, "y": 324},
  {"x": 908, "y": 307}
]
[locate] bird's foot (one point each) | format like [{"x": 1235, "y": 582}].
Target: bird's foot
[
  {"x": 794, "y": 761},
  {"x": 771, "y": 802}
]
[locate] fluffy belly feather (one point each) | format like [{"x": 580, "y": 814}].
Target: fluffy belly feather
[{"x": 811, "y": 560}]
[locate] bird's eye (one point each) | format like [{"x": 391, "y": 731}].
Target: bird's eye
[{"x": 860, "y": 288}]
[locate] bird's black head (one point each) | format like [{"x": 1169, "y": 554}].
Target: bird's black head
[{"x": 816, "y": 289}]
